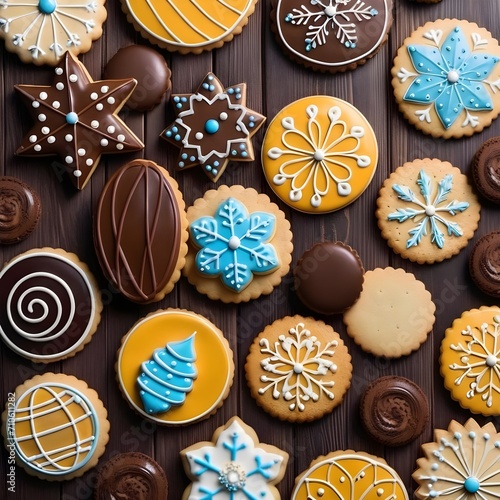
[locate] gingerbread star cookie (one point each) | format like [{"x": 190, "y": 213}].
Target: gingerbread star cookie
[
  {"x": 213, "y": 127},
  {"x": 76, "y": 118}
]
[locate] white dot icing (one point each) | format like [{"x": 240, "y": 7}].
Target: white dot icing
[
  {"x": 68, "y": 137},
  {"x": 104, "y": 142},
  {"x": 94, "y": 124},
  {"x": 56, "y": 104},
  {"x": 51, "y": 139},
  {"x": 33, "y": 138},
  {"x": 111, "y": 129},
  {"x": 41, "y": 117},
  {"x": 45, "y": 130},
  {"x": 104, "y": 89},
  {"x": 60, "y": 86},
  {"x": 121, "y": 137},
  {"x": 73, "y": 78},
  {"x": 81, "y": 152},
  {"x": 37, "y": 147},
  {"x": 111, "y": 100},
  {"x": 68, "y": 160},
  {"x": 43, "y": 96}
]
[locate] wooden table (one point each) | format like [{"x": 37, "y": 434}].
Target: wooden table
[{"x": 273, "y": 81}]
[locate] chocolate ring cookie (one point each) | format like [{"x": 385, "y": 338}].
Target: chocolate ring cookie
[
  {"x": 484, "y": 264},
  {"x": 486, "y": 169}
]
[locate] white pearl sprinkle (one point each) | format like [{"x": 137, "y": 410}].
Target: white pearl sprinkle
[
  {"x": 51, "y": 139},
  {"x": 104, "y": 89},
  {"x": 60, "y": 86},
  {"x": 111, "y": 100},
  {"x": 94, "y": 124},
  {"x": 199, "y": 136},
  {"x": 56, "y": 104},
  {"x": 59, "y": 71},
  {"x": 121, "y": 137},
  {"x": 94, "y": 96},
  {"x": 35, "y": 104},
  {"x": 81, "y": 152},
  {"x": 99, "y": 106},
  {"x": 77, "y": 173},
  {"x": 68, "y": 137},
  {"x": 32, "y": 138},
  {"x": 89, "y": 162},
  {"x": 43, "y": 96},
  {"x": 111, "y": 129},
  {"x": 223, "y": 116},
  {"x": 119, "y": 146},
  {"x": 68, "y": 159},
  {"x": 73, "y": 78},
  {"x": 38, "y": 147},
  {"x": 104, "y": 142},
  {"x": 45, "y": 130},
  {"x": 42, "y": 117}
]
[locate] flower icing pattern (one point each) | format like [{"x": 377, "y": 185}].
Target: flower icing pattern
[
  {"x": 234, "y": 244},
  {"x": 331, "y": 16},
  {"x": 298, "y": 364},
  {"x": 479, "y": 361},
  {"x": 318, "y": 157},
  {"x": 234, "y": 467},
  {"x": 451, "y": 76},
  {"x": 429, "y": 211}
]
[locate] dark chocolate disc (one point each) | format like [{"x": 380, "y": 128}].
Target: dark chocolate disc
[
  {"x": 486, "y": 169},
  {"x": 484, "y": 264}
]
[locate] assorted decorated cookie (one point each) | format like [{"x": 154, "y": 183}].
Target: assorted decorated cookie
[
  {"x": 174, "y": 367},
  {"x": 349, "y": 475},
  {"x": 446, "y": 78},
  {"x": 486, "y": 170},
  {"x": 20, "y": 210},
  {"x": 213, "y": 127},
  {"x": 298, "y": 369},
  {"x": 319, "y": 154},
  {"x": 177, "y": 25},
  {"x": 76, "y": 118},
  {"x": 148, "y": 67},
  {"x": 427, "y": 211},
  {"x": 41, "y": 31},
  {"x": 50, "y": 304},
  {"x": 57, "y": 425},
  {"x": 240, "y": 244},
  {"x": 140, "y": 231},
  {"x": 463, "y": 462},
  {"x": 319, "y": 272},
  {"x": 484, "y": 264},
  {"x": 131, "y": 476},
  {"x": 393, "y": 315},
  {"x": 394, "y": 410},
  {"x": 233, "y": 465},
  {"x": 331, "y": 35},
  {"x": 470, "y": 360}
]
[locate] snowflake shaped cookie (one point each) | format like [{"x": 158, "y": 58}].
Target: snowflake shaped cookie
[
  {"x": 470, "y": 360},
  {"x": 77, "y": 119},
  {"x": 462, "y": 463},
  {"x": 40, "y": 31},
  {"x": 213, "y": 127},
  {"x": 234, "y": 465}
]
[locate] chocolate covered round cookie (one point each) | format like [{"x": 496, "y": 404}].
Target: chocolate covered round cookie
[
  {"x": 484, "y": 264},
  {"x": 486, "y": 170}
]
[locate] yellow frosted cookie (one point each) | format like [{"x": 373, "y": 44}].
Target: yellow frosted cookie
[
  {"x": 349, "y": 475},
  {"x": 319, "y": 154},
  {"x": 174, "y": 367},
  {"x": 470, "y": 360}
]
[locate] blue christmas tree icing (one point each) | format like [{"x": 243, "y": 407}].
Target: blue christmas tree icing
[
  {"x": 168, "y": 376},
  {"x": 234, "y": 244}
]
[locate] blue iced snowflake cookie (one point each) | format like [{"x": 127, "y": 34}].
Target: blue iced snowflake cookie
[
  {"x": 427, "y": 211},
  {"x": 240, "y": 244},
  {"x": 446, "y": 78}
]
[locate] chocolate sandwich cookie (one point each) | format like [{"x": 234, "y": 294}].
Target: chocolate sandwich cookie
[
  {"x": 486, "y": 169},
  {"x": 20, "y": 210},
  {"x": 394, "y": 410},
  {"x": 329, "y": 277},
  {"x": 484, "y": 264},
  {"x": 131, "y": 476}
]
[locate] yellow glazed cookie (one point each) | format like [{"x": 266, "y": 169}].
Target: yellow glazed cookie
[
  {"x": 427, "y": 211},
  {"x": 463, "y": 462},
  {"x": 349, "y": 475},
  {"x": 393, "y": 315},
  {"x": 55, "y": 426},
  {"x": 174, "y": 367},
  {"x": 319, "y": 154},
  {"x": 298, "y": 369},
  {"x": 446, "y": 78},
  {"x": 194, "y": 26},
  {"x": 470, "y": 360}
]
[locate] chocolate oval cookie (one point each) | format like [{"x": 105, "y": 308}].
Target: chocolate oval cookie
[
  {"x": 486, "y": 169},
  {"x": 484, "y": 264},
  {"x": 141, "y": 231}
]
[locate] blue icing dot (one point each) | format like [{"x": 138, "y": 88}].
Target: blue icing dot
[
  {"x": 175, "y": 130},
  {"x": 244, "y": 154},
  {"x": 208, "y": 168},
  {"x": 216, "y": 163},
  {"x": 177, "y": 137},
  {"x": 192, "y": 158},
  {"x": 47, "y": 6},
  {"x": 183, "y": 99},
  {"x": 176, "y": 99},
  {"x": 230, "y": 91},
  {"x": 168, "y": 133},
  {"x": 72, "y": 118},
  {"x": 181, "y": 164},
  {"x": 178, "y": 106},
  {"x": 211, "y": 126},
  {"x": 214, "y": 171},
  {"x": 472, "y": 485},
  {"x": 184, "y": 156}
]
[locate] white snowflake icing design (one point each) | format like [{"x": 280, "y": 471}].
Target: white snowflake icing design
[
  {"x": 324, "y": 157},
  {"x": 480, "y": 361},
  {"x": 339, "y": 16},
  {"x": 429, "y": 210},
  {"x": 234, "y": 467},
  {"x": 298, "y": 362}
]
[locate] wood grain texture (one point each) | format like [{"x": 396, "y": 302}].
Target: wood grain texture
[{"x": 273, "y": 81}]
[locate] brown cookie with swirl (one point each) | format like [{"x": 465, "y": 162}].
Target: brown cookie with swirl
[
  {"x": 486, "y": 169},
  {"x": 131, "y": 476},
  {"x": 394, "y": 410},
  {"x": 20, "y": 210},
  {"x": 484, "y": 264}
]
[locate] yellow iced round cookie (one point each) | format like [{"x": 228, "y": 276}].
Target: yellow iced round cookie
[
  {"x": 470, "y": 360},
  {"x": 319, "y": 154},
  {"x": 174, "y": 367}
]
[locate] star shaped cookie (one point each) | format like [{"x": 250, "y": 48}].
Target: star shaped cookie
[
  {"x": 213, "y": 127},
  {"x": 76, "y": 118}
]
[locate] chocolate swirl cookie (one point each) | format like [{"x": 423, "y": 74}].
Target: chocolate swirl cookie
[
  {"x": 394, "y": 410},
  {"x": 486, "y": 169},
  {"x": 484, "y": 264},
  {"x": 131, "y": 476}
]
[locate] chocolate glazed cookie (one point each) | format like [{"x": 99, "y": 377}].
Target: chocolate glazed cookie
[
  {"x": 484, "y": 264},
  {"x": 394, "y": 410},
  {"x": 486, "y": 169}
]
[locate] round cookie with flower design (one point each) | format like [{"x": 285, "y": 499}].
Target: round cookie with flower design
[
  {"x": 470, "y": 360},
  {"x": 240, "y": 244},
  {"x": 446, "y": 78},
  {"x": 298, "y": 369},
  {"x": 213, "y": 127},
  {"x": 76, "y": 118},
  {"x": 41, "y": 31},
  {"x": 319, "y": 154},
  {"x": 427, "y": 210},
  {"x": 234, "y": 465},
  {"x": 463, "y": 462}
]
